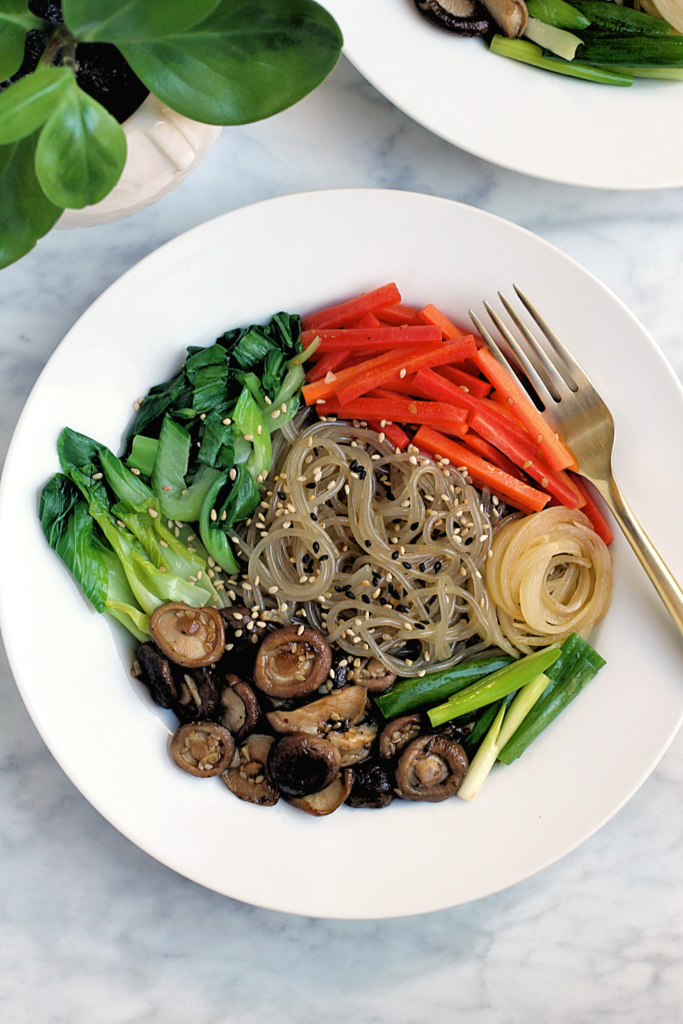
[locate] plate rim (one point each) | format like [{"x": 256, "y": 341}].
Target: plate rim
[{"x": 14, "y": 660}]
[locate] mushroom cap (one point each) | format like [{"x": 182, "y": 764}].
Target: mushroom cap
[
  {"x": 463, "y": 17},
  {"x": 202, "y": 748},
  {"x": 157, "y": 675},
  {"x": 191, "y": 637},
  {"x": 431, "y": 768},
  {"x": 292, "y": 662},
  {"x": 373, "y": 785},
  {"x": 373, "y": 675},
  {"x": 300, "y": 764},
  {"x": 248, "y": 777},
  {"x": 345, "y": 706},
  {"x": 328, "y": 799},
  {"x": 240, "y": 709},
  {"x": 398, "y": 733},
  {"x": 197, "y": 696}
]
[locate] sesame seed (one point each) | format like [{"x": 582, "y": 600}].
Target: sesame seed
[
  {"x": 269, "y": 401},
  {"x": 226, "y": 422},
  {"x": 283, "y": 407},
  {"x": 177, "y": 531},
  {"x": 134, "y": 471},
  {"x": 248, "y": 437},
  {"x": 274, "y": 415},
  {"x": 527, "y": 464},
  {"x": 152, "y": 512},
  {"x": 164, "y": 543},
  {"x": 97, "y": 476},
  {"x": 544, "y": 481},
  {"x": 300, "y": 630},
  {"x": 119, "y": 523},
  {"x": 259, "y": 430},
  {"x": 214, "y": 515},
  {"x": 136, "y": 406},
  {"x": 402, "y": 373}
]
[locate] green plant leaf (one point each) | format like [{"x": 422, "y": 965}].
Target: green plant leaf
[
  {"x": 133, "y": 21},
  {"x": 15, "y": 21},
  {"x": 246, "y": 61},
  {"x": 25, "y": 212},
  {"x": 28, "y": 103},
  {"x": 81, "y": 151}
]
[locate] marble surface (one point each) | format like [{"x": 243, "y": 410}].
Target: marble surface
[{"x": 94, "y": 931}]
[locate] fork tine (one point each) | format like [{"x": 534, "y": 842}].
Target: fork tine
[
  {"x": 559, "y": 387},
  {"x": 544, "y": 392},
  {"x": 569, "y": 361},
  {"x": 491, "y": 344}
]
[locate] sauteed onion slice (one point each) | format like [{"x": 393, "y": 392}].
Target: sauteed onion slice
[{"x": 549, "y": 575}]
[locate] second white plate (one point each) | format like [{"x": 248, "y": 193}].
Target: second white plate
[{"x": 519, "y": 117}]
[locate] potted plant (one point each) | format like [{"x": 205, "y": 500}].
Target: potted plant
[{"x": 71, "y": 72}]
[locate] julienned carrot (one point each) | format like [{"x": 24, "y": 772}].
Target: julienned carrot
[
  {"x": 433, "y": 385},
  {"x": 555, "y": 452},
  {"x": 400, "y": 315},
  {"x": 475, "y": 385},
  {"x": 400, "y": 385},
  {"x": 354, "y": 309},
  {"x": 372, "y": 338},
  {"x": 517, "y": 493},
  {"x": 537, "y": 468},
  {"x": 481, "y": 447},
  {"x": 392, "y": 432},
  {"x": 314, "y": 392},
  {"x": 431, "y": 315},
  {"x": 401, "y": 410},
  {"x": 369, "y": 320},
  {"x": 449, "y": 352},
  {"x": 592, "y": 510},
  {"x": 328, "y": 363}
]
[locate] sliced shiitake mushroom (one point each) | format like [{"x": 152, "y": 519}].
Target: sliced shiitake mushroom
[
  {"x": 328, "y": 799},
  {"x": 354, "y": 744},
  {"x": 197, "y": 696},
  {"x": 431, "y": 768},
  {"x": 373, "y": 675},
  {"x": 398, "y": 733},
  {"x": 240, "y": 709},
  {"x": 202, "y": 748},
  {"x": 300, "y": 764},
  {"x": 373, "y": 785},
  {"x": 342, "y": 708},
  {"x": 510, "y": 15},
  {"x": 247, "y": 776},
  {"x": 292, "y": 662},
  {"x": 191, "y": 637},
  {"x": 157, "y": 676},
  {"x": 464, "y": 17}
]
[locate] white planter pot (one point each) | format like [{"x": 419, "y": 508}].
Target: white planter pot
[{"x": 163, "y": 147}]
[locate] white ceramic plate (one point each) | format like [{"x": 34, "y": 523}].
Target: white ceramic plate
[
  {"x": 299, "y": 253},
  {"x": 528, "y": 120}
]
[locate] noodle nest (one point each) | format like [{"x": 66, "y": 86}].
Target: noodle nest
[
  {"x": 382, "y": 550},
  {"x": 549, "y": 575}
]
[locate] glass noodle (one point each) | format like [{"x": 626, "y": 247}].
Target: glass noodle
[{"x": 384, "y": 551}]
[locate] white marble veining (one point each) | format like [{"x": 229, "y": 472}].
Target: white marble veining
[{"x": 92, "y": 930}]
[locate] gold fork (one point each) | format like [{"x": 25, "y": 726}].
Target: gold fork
[{"x": 578, "y": 414}]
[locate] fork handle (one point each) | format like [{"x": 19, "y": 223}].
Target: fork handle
[{"x": 648, "y": 556}]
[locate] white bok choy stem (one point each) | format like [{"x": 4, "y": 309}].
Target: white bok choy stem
[{"x": 503, "y": 729}]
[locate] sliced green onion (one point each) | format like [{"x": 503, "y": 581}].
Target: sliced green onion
[
  {"x": 557, "y": 40},
  {"x": 495, "y": 686},
  {"x": 557, "y": 13},
  {"x": 503, "y": 729},
  {"x": 529, "y": 53}
]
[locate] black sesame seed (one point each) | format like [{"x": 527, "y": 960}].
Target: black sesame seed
[
  {"x": 365, "y": 599},
  {"x": 315, "y": 452},
  {"x": 311, "y": 486},
  {"x": 323, "y": 558},
  {"x": 281, "y": 495},
  {"x": 338, "y": 590},
  {"x": 351, "y": 597},
  {"x": 314, "y": 517},
  {"x": 347, "y": 587},
  {"x": 406, "y": 565},
  {"x": 394, "y": 555},
  {"x": 362, "y": 474},
  {"x": 368, "y": 543},
  {"x": 383, "y": 601},
  {"x": 437, "y": 566},
  {"x": 316, "y": 546},
  {"x": 414, "y": 526},
  {"x": 423, "y": 567}
]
